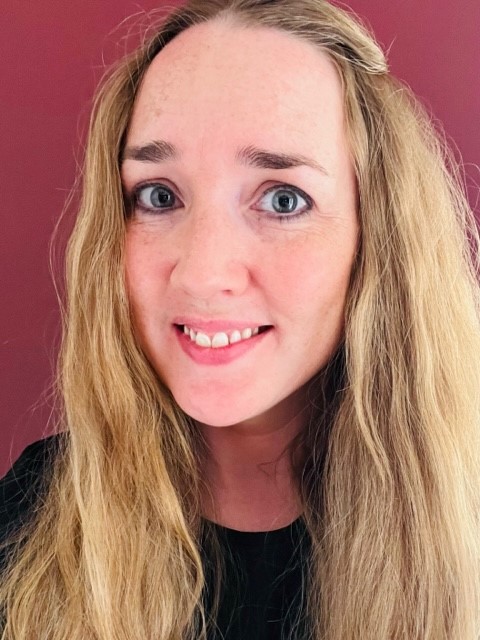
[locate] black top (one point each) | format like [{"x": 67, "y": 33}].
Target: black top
[{"x": 261, "y": 597}]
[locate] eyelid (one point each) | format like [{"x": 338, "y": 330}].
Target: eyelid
[
  {"x": 133, "y": 196},
  {"x": 298, "y": 191}
]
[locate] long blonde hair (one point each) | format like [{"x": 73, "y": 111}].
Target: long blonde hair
[{"x": 390, "y": 485}]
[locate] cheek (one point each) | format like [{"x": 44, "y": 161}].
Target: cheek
[
  {"x": 310, "y": 277},
  {"x": 135, "y": 269},
  {"x": 142, "y": 277}
]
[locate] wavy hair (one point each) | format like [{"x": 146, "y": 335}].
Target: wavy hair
[{"x": 390, "y": 486}]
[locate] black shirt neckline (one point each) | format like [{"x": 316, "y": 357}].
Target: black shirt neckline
[{"x": 284, "y": 536}]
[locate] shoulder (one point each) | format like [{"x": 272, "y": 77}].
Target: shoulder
[{"x": 23, "y": 483}]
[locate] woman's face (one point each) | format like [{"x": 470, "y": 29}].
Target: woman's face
[{"x": 243, "y": 219}]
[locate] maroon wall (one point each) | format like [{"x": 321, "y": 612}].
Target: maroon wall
[{"x": 51, "y": 56}]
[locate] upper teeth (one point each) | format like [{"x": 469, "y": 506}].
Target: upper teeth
[{"x": 219, "y": 339}]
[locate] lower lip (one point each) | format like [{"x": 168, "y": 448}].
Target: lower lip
[{"x": 220, "y": 355}]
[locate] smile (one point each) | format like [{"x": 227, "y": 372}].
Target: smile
[{"x": 221, "y": 338}]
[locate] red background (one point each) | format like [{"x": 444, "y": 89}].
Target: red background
[{"x": 52, "y": 54}]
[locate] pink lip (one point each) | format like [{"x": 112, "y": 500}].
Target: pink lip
[
  {"x": 212, "y": 326},
  {"x": 222, "y": 355}
]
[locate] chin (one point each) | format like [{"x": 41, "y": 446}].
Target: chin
[
  {"x": 216, "y": 419},
  {"x": 216, "y": 415}
]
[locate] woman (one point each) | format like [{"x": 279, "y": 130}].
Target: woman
[{"x": 269, "y": 372}]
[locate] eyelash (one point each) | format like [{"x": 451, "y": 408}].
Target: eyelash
[{"x": 134, "y": 201}]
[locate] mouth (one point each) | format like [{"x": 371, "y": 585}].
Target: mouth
[{"x": 221, "y": 339}]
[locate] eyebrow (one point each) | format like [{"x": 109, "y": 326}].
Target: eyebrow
[
  {"x": 156, "y": 151},
  {"x": 162, "y": 151}
]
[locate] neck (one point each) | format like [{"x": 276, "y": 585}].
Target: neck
[{"x": 250, "y": 482}]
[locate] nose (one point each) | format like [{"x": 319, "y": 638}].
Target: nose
[{"x": 210, "y": 256}]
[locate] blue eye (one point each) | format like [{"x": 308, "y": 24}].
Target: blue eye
[
  {"x": 152, "y": 197},
  {"x": 285, "y": 201}
]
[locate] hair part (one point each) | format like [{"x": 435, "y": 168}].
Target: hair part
[{"x": 390, "y": 483}]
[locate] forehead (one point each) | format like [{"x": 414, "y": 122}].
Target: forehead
[
  {"x": 239, "y": 65},
  {"x": 218, "y": 79}
]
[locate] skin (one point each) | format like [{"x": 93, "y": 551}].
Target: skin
[{"x": 222, "y": 250}]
